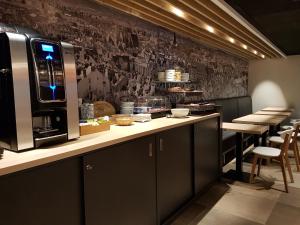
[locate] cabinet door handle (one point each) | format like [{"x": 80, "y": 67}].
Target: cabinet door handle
[
  {"x": 88, "y": 167},
  {"x": 161, "y": 144},
  {"x": 150, "y": 150}
]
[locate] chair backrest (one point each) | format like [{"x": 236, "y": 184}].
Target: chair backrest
[
  {"x": 286, "y": 135},
  {"x": 296, "y": 131}
]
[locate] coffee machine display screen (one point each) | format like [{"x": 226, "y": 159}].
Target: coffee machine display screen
[
  {"x": 49, "y": 71},
  {"x": 47, "y": 48}
]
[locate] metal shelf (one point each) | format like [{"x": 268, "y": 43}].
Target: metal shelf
[
  {"x": 185, "y": 92},
  {"x": 172, "y": 82}
]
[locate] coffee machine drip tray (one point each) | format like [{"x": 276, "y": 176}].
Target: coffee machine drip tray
[
  {"x": 45, "y": 132},
  {"x": 49, "y": 138}
]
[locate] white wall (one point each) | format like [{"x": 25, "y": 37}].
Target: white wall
[{"x": 275, "y": 82}]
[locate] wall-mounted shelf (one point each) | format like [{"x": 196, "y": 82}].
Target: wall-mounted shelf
[
  {"x": 172, "y": 82},
  {"x": 186, "y": 92}
]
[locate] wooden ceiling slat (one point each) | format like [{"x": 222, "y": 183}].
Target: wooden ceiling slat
[
  {"x": 192, "y": 25},
  {"x": 227, "y": 18},
  {"x": 171, "y": 19},
  {"x": 176, "y": 29},
  {"x": 195, "y": 20},
  {"x": 197, "y": 10}
]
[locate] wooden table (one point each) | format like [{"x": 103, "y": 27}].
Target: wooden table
[
  {"x": 269, "y": 120},
  {"x": 274, "y": 113},
  {"x": 277, "y": 109},
  {"x": 240, "y": 129}
]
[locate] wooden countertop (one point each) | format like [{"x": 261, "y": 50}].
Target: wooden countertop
[
  {"x": 12, "y": 162},
  {"x": 260, "y": 119},
  {"x": 245, "y": 128}
]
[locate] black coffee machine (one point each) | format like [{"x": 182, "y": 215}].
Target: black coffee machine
[{"x": 38, "y": 92}]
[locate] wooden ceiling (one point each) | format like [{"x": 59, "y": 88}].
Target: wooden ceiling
[{"x": 201, "y": 20}]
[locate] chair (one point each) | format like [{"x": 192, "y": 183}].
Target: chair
[
  {"x": 277, "y": 140},
  {"x": 274, "y": 153}
]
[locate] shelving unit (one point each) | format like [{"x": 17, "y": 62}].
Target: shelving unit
[{"x": 176, "y": 96}]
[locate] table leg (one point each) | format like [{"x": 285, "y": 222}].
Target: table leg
[
  {"x": 274, "y": 130},
  {"x": 256, "y": 140},
  {"x": 278, "y": 127},
  {"x": 264, "y": 138},
  {"x": 239, "y": 155}
]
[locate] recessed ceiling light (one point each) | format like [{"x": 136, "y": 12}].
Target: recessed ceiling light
[
  {"x": 245, "y": 47},
  {"x": 263, "y": 56},
  {"x": 255, "y": 52},
  {"x": 231, "y": 40},
  {"x": 177, "y": 12},
  {"x": 210, "y": 29}
]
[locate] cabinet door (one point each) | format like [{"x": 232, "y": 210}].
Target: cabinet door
[
  {"x": 206, "y": 156},
  {"x": 174, "y": 170},
  {"x": 120, "y": 185},
  {"x": 47, "y": 195}
]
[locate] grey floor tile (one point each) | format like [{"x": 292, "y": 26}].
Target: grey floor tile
[
  {"x": 284, "y": 215},
  {"x": 190, "y": 214},
  {"x": 238, "y": 203},
  {"x": 213, "y": 195},
  {"x": 292, "y": 198},
  {"x": 247, "y": 206},
  {"x": 220, "y": 217}
]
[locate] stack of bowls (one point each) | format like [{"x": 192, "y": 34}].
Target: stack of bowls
[
  {"x": 170, "y": 75},
  {"x": 127, "y": 107}
]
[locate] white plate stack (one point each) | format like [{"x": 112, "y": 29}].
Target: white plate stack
[{"x": 170, "y": 75}]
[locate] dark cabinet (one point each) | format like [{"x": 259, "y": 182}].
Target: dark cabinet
[
  {"x": 141, "y": 182},
  {"x": 174, "y": 170},
  {"x": 206, "y": 153},
  {"x": 120, "y": 184},
  {"x": 48, "y": 195}
]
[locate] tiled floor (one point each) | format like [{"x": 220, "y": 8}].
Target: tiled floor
[{"x": 238, "y": 203}]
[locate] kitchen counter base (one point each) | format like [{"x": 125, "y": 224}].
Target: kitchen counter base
[{"x": 11, "y": 162}]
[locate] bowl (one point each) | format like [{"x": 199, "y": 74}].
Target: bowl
[
  {"x": 180, "y": 112},
  {"x": 124, "y": 120}
]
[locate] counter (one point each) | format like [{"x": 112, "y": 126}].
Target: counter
[{"x": 11, "y": 162}]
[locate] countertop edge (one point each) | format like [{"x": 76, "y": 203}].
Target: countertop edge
[{"x": 40, "y": 160}]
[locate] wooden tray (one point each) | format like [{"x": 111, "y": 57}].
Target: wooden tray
[{"x": 89, "y": 129}]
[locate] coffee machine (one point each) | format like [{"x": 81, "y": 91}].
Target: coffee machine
[{"x": 38, "y": 92}]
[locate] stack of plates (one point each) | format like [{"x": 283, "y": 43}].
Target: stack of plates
[{"x": 170, "y": 75}]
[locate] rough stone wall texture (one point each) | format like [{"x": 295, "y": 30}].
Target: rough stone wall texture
[{"x": 119, "y": 55}]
